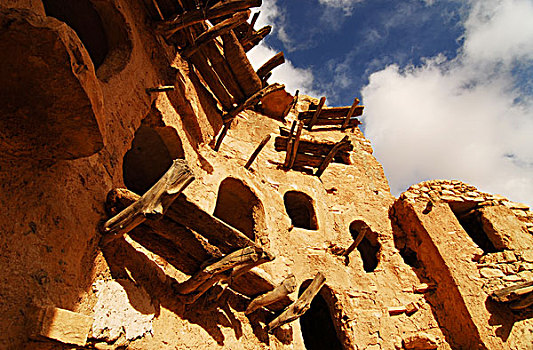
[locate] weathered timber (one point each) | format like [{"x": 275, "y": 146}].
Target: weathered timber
[
  {"x": 524, "y": 302},
  {"x": 264, "y": 80},
  {"x": 290, "y": 141},
  {"x": 153, "y": 204},
  {"x": 252, "y": 101},
  {"x": 356, "y": 242},
  {"x": 512, "y": 293},
  {"x": 330, "y": 156},
  {"x": 252, "y": 23},
  {"x": 223, "y": 134},
  {"x": 282, "y": 291},
  {"x": 160, "y": 89},
  {"x": 269, "y": 65},
  {"x": 158, "y": 10},
  {"x": 214, "y": 32},
  {"x": 184, "y": 20},
  {"x": 311, "y": 147},
  {"x": 256, "y": 152},
  {"x": 250, "y": 41},
  {"x": 350, "y": 114},
  {"x": 316, "y": 114},
  {"x": 230, "y": 261},
  {"x": 332, "y": 113},
  {"x": 296, "y": 144},
  {"x": 240, "y": 65},
  {"x": 212, "y": 80},
  {"x": 300, "y": 306}
]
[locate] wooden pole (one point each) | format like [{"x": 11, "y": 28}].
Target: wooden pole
[
  {"x": 296, "y": 143},
  {"x": 300, "y": 306},
  {"x": 215, "y": 31},
  {"x": 223, "y": 133},
  {"x": 160, "y": 89},
  {"x": 158, "y": 10},
  {"x": 350, "y": 114},
  {"x": 189, "y": 18},
  {"x": 355, "y": 243},
  {"x": 330, "y": 156},
  {"x": 289, "y": 145},
  {"x": 269, "y": 65},
  {"x": 249, "y": 42},
  {"x": 252, "y": 23},
  {"x": 280, "y": 292},
  {"x": 256, "y": 152},
  {"x": 152, "y": 205},
  {"x": 252, "y": 101},
  {"x": 317, "y": 113}
]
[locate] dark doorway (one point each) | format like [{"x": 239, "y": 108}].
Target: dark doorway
[
  {"x": 81, "y": 16},
  {"x": 300, "y": 208},
  {"x": 471, "y": 222},
  {"x": 318, "y": 330},
  {"x": 239, "y": 207}
]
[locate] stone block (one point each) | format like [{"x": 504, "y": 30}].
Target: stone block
[
  {"x": 488, "y": 272},
  {"x": 420, "y": 341},
  {"x": 509, "y": 256},
  {"x": 61, "y": 325}
]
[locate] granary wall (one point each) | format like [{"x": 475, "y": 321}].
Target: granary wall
[{"x": 101, "y": 129}]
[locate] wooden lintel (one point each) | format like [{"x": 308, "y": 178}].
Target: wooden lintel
[
  {"x": 257, "y": 150},
  {"x": 350, "y": 114},
  {"x": 272, "y": 63},
  {"x": 280, "y": 292},
  {"x": 332, "y": 113},
  {"x": 316, "y": 113},
  {"x": 239, "y": 64},
  {"x": 300, "y": 306},
  {"x": 252, "y": 101},
  {"x": 153, "y": 204},
  {"x": 296, "y": 144},
  {"x": 250, "y": 41},
  {"x": 214, "y": 32},
  {"x": 330, "y": 156},
  {"x": 199, "y": 15},
  {"x": 212, "y": 80},
  {"x": 512, "y": 293}
]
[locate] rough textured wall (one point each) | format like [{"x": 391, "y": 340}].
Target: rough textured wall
[{"x": 382, "y": 296}]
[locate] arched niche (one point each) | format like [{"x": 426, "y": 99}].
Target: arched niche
[
  {"x": 151, "y": 154},
  {"x": 318, "y": 330},
  {"x": 368, "y": 247},
  {"x": 300, "y": 208},
  {"x": 239, "y": 207},
  {"x": 100, "y": 27}
]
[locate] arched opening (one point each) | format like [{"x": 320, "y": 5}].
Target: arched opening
[
  {"x": 100, "y": 27},
  {"x": 239, "y": 207},
  {"x": 301, "y": 210},
  {"x": 82, "y": 16},
  {"x": 150, "y": 157},
  {"x": 318, "y": 330},
  {"x": 368, "y": 246}
]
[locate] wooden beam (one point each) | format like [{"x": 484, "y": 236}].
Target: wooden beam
[
  {"x": 523, "y": 303},
  {"x": 290, "y": 140},
  {"x": 332, "y": 113},
  {"x": 160, "y": 89},
  {"x": 269, "y": 65},
  {"x": 280, "y": 292},
  {"x": 212, "y": 80},
  {"x": 252, "y": 101},
  {"x": 252, "y": 23},
  {"x": 249, "y": 42},
  {"x": 316, "y": 114},
  {"x": 300, "y": 306},
  {"x": 264, "y": 80},
  {"x": 188, "y": 18},
  {"x": 153, "y": 204},
  {"x": 356, "y": 242},
  {"x": 512, "y": 293},
  {"x": 158, "y": 10},
  {"x": 222, "y": 135},
  {"x": 312, "y": 147},
  {"x": 214, "y": 32},
  {"x": 240, "y": 65},
  {"x": 256, "y": 152},
  {"x": 296, "y": 144},
  {"x": 330, "y": 156},
  {"x": 350, "y": 114},
  {"x": 292, "y": 105},
  {"x": 230, "y": 261}
]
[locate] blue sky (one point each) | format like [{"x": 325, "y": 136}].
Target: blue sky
[{"x": 447, "y": 85}]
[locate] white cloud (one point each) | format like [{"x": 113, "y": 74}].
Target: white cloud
[
  {"x": 460, "y": 119},
  {"x": 346, "y": 5},
  {"x": 294, "y": 78}
]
